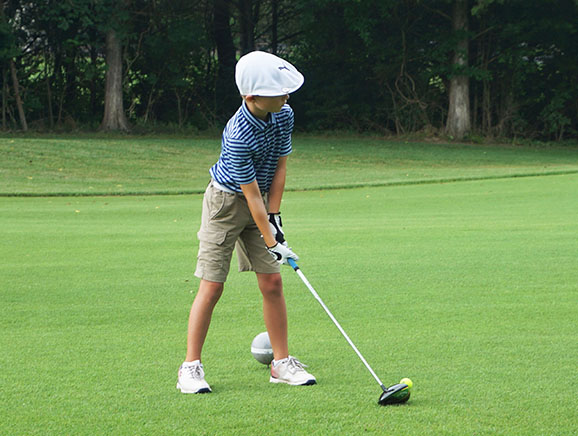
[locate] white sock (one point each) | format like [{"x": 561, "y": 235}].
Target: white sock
[
  {"x": 277, "y": 362},
  {"x": 193, "y": 363}
]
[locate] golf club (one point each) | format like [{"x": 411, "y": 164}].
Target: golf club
[{"x": 395, "y": 394}]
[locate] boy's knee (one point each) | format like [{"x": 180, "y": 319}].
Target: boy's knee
[
  {"x": 211, "y": 291},
  {"x": 271, "y": 285}
]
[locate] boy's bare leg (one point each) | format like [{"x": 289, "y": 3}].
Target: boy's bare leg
[
  {"x": 274, "y": 312},
  {"x": 200, "y": 317}
]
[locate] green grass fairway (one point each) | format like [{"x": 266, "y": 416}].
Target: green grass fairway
[
  {"x": 468, "y": 288},
  {"x": 133, "y": 165}
]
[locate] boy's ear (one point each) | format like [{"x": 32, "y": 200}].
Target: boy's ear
[{"x": 249, "y": 97}]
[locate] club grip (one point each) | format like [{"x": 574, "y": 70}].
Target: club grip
[{"x": 293, "y": 264}]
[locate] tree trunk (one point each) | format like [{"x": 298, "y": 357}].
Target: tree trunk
[
  {"x": 274, "y": 26},
  {"x": 226, "y": 93},
  {"x": 458, "y": 122},
  {"x": 485, "y": 50},
  {"x": 114, "y": 116},
  {"x": 248, "y": 14},
  {"x": 48, "y": 91},
  {"x": 94, "y": 82},
  {"x": 19, "y": 104},
  {"x": 4, "y": 96},
  {"x": 179, "y": 108}
]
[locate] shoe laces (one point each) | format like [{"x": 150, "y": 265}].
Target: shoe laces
[
  {"x": 294, "y": 365},
  {"x": 194, "y": 371}
]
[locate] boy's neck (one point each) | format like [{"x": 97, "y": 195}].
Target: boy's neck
[{"x": 257, "y": 112}]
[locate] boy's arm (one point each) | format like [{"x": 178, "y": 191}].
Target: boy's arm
[
  {"x": 278, "y": 186},
  {"x": 258, "y": 212},
  {"x": 252, "y": 193}
]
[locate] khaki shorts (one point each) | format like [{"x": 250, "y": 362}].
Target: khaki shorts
[{"x": 227, "y": 224}]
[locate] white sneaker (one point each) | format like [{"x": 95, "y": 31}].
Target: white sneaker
[
  {"x": 290, "y": 371},
  {"x": 192, "y": 379}
]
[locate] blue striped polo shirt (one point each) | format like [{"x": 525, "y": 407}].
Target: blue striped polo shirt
[{"x": 251, "y": 148}]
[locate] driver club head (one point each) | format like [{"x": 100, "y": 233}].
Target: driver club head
[{"x": 395, "y": 394}]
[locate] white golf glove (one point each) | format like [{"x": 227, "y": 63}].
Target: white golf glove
[
  {"x": 281, "y": 253},
  {"x": 276, "y": 227}
]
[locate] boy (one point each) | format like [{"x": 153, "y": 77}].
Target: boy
[{"x": 241, "y": 209}]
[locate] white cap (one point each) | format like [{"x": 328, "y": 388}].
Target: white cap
[{"x": 264, "y": 74}]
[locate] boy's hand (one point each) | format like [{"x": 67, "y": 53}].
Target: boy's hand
[
  {"x": 276, "y": 227},
  {"x": 281, "y": 253}
]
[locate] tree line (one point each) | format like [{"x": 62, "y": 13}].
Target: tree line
[{"x": 499, "y": 68}]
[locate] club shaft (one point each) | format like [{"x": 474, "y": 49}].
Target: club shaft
[{"x": 318, "y": 298}]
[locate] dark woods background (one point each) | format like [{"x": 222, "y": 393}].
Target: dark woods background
[{"x": 462, "y": 68}]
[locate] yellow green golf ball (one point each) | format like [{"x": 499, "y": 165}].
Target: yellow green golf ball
[{"x": 407, "y": 381}]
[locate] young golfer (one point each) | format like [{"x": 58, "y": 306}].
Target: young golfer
[{"x": 241, "y": 210}]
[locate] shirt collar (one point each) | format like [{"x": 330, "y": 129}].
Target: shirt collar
[{"x": 256, "y": 122}]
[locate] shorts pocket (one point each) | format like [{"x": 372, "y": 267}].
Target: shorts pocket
[
  {"x": 213, "y": 236},
  {"x": 220, "y": 204}
]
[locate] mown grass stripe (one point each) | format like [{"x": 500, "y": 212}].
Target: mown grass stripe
[{"x": 312, "y": 188}]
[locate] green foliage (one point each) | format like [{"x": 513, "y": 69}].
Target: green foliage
[
  {"x": 170, "y": 83},
  {"x": 555, "y": 122},
  {"x": 7, "y": 42},
  {"x": 376, "y": 65},
  {"x": 374, "y": 53},
  {"x": 531, "y": 52}
]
